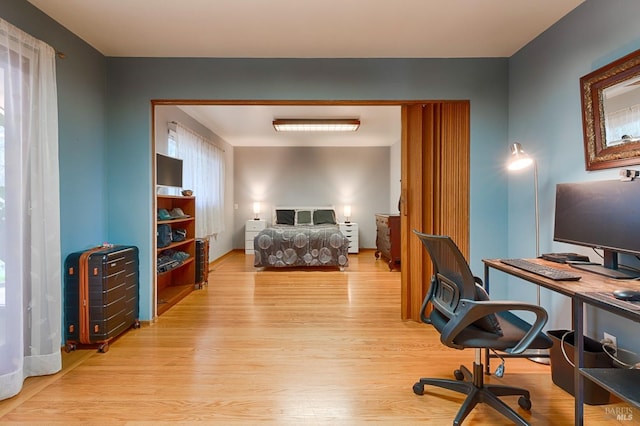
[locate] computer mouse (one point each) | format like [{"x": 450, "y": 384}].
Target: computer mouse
[{"x": 627, "y": 294}]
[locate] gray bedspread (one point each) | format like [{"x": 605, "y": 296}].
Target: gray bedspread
[{"x": 286, "y": 246}]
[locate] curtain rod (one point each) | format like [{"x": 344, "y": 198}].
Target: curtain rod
[
  {"x": 58, "y": 53},
  {"x": 175, "y": 123}
]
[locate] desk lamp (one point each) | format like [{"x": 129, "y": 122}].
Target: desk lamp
[{"x": 520, "y": 160}]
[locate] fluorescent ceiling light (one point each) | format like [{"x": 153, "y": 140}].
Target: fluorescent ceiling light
[{"x": 316, "y": 125}]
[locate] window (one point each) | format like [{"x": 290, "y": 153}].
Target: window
[{"x": 203, "y": 172}]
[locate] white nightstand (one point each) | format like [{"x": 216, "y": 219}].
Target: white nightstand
[
  {"x": 350, "y": 230},
  {"x": 251, "y": 229}
]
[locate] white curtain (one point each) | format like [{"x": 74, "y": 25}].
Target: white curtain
[
  {"x": 30, "y": 267},
  {"x": 203, "y": 172}
]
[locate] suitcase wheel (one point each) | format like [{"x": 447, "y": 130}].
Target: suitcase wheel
[
  {"x": 69, "y": 347},
  {"x": 103, "y": 348}
]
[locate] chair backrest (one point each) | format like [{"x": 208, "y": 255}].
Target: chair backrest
[{"x": 453, "y": 278}]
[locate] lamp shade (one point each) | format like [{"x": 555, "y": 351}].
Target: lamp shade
[
  {"x": 256, "y": 209},
  {"x": 347, "y": 212},
  {"x": 519, "y": 159}
]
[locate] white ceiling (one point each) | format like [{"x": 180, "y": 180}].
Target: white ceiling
[
  {"x": 251, "y": 125},
  {"x": 305, "y": 29}
]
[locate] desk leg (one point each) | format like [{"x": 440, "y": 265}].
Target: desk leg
[
  {"x": 487, "y": 365},
  {"x": 578, "y": 321}
]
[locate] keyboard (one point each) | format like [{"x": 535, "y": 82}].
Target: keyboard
[{"x": 542, "y": 270}]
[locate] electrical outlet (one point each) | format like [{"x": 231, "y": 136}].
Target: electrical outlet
[{"x": 612, "y": 339}]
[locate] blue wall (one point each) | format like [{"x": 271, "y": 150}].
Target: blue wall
[
  {"x": 134, "y": 82},
  {"x": 545, "y": 116}
]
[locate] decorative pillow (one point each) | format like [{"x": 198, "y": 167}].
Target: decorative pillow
[
  {"x": 490, "y": 322},
  {"x": 321, "y": 217},
  {"x": 285, "y": 217},
  {"x": 303, "y": 217}
]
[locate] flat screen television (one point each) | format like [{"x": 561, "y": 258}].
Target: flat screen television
[
  {"x": 168, "y": 171},
  {"x": 603, "y": 215}
]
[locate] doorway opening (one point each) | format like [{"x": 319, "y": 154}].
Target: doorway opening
[{"x": 242, "y": 190}]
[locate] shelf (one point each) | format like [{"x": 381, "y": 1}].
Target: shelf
[
  {"x": 176, "y": 283},
  {"x": 174, "y": 221},
  {"x": 182, "y": 265},
  {"x": 620, "y": 381},
  {"x": 169, "y": 296},
  {"x": 176, "y": 197},
  {"x": 176, "y": 244}
]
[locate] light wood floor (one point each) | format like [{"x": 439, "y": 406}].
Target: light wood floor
[{"x": 282, "y": 347}]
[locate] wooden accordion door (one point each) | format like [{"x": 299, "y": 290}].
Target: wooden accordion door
[{"x": 434, "y": 189}]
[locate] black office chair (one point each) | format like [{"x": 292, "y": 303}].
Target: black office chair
[{"x": 466, "y": 318}]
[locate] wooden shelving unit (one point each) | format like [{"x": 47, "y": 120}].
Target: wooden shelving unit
[{"x": 173, "y": 285}]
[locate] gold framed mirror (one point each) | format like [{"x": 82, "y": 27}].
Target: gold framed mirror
[{"x": 611, "y": 114}]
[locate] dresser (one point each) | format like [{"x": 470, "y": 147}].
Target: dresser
[
  {"x": 350, "y": 230},
  {"x": 388, "y": 239},
  {"x": 251, "y": 229}
]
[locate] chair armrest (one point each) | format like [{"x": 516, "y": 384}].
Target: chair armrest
[
  {"x": 423, "y": 315},
  {"x": 472, "y": 310}
]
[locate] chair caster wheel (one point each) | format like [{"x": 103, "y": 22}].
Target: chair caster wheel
[
  {"x": 458, "y": 375},
  {"x": 418, "y": 388},
  {"x": 524, "y": 403}
]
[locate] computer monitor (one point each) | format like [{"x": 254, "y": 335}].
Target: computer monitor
[{"x": 603, "y": 215}]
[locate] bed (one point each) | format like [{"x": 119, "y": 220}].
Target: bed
[{"x": 302, "y": 237}]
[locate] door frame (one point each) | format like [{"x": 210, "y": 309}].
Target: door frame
[{"x": 414, "y": 284}]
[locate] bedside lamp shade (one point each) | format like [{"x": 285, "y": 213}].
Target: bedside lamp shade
[
  {"x": 256, "y": 210},
  {"x": 347, "y": 213}
]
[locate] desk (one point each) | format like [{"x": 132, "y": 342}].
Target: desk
[
  {"x": 589, "y": 282},
  {"x": 581, "y": 292}
]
